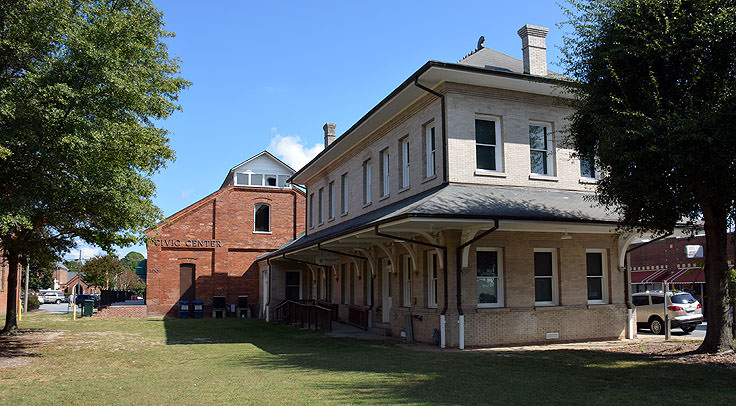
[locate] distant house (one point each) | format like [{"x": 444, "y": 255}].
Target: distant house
[
  {"x": 76, "y": 280},
  {"x": 60, "y": 275},
  {"x": 453, "y": 211},
  {"x": 208, "y": 250}
]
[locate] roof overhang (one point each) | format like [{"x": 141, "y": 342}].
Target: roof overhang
[{"x": 432, "y": 75}]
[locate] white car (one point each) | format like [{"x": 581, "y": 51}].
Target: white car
[
  {"x": 684, "y": 311},
  {"x": 52, "y": 297}
]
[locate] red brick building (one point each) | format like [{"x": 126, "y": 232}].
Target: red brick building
[{"x": 209, "y": 249}]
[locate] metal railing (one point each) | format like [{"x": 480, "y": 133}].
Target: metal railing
[
  {"x": 359, "y": 316},
  {"x": 108, "y": 297},
  {"x": 332, "y": 306},
  {"x": 309, "y": 315}
]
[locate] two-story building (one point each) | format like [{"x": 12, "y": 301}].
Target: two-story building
[
  {"x": 453, "y": 211},
  {"x": 208, "y": 249}
]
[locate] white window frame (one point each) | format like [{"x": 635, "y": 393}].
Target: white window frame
[
  {"x": 344, "y": 191},
  {"x": 603, "y": 277},
  {"x": 554, "y": 277},
  {"x": 385, "y": 162},
  {"x": 499, "y": 278},
  {"x": 429, "y": 139},
  {"x": 255, "y": 210},
  {"x": 433, "y": 272},
  {"x": 311, "y": 210},
  {"x": 321, "y": 206},
  {"x": 331, "y": 200},
  {"x": 404, "y": 162},
  {"x": 549, "y": 151},
  {"x": 498, "y": 146},
  {"x": 367, "y": 169},
  {"x": 596, "y": 172},
  {"x": 406, "y": 267}
]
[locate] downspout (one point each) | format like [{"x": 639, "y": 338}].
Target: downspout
[
  {"x": 458, "y": 272},
  {"x": 443, "y": 321},
  {"x": 444, "y": 126}
]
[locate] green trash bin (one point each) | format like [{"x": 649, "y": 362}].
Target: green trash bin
[{"x": 87, "y": 308}]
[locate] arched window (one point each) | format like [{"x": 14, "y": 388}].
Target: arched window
[{"x": 262, "y": 218}]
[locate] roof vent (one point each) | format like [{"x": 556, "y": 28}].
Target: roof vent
[{"x": 534, "y": 47}]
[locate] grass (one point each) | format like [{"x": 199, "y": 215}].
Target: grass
[{"x": 213, "y": 362}]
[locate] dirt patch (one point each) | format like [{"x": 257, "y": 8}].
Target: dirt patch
[
  {"x": 19, "y": 349},
  {"x": 679, "y": 351}
]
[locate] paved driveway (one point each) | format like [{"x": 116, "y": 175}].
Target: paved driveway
[
  {"x": 699, "y": 333},
  {"x": 61, "y": 308}
]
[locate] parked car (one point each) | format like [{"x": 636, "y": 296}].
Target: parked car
[
  {"x": 79, "y": 299},
  {"x": 684, "y": 311},
  {"x": 54, "y": 296}
]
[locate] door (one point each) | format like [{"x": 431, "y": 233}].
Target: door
[
  {"x": 265, "y": 290},
  {"x": 293, "y": 286},
  {"x": 186, "y": 282},
  {"x": 385, "y": 290}
]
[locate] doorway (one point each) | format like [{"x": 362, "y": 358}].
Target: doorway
[
  {"x": 386, "y": 290},
  {"x": 186, "y": 281},
  {"x": 293, "y": 285}
]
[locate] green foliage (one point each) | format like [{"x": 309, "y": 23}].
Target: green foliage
[
  {"x": 73, "y": 265},
  {"x": 33, "y": 303},
  {"x": 131, "y": 260},
  {"x": 102, "y": 271}
]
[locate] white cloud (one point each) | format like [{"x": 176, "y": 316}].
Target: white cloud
[
  {"x": 293, "y": 150},
  {"x": 88, "y": 251}
]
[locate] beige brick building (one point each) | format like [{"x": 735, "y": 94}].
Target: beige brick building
[{"x": 454, "y": 213}]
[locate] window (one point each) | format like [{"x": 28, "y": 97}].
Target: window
[
  {"x": 311, "y": 210},
  {"x": 256, "y": 179},
  {"x": 352, "y": 284},
  {"x": 541, "y": 149},
  {"x": 406, "y": 280},
  {"x": 321, "y": 205},
  {"x": 404, "y": 162},
  {"x": 489, "y": 274},
  {"x": 657, "y": 300},
  {"x": 429, "y": 149},
  {"x": 323, "y": 284},
  {"x": 595, "y": 266},
  {"x": 488, "y": 145},
  {"x": 344, "y": 193},
  {"x": 587, "y": 168},
  {"x": 262, "y": 218},
  {"x": 331, "y": 200},
  {"x": 545, "y": 277},
  {"x": 431, "y": 279},
  {"x": 343, "y": 292},
  {"x": 384, "y": 163},
  {"x": 367, "y": 181},
  {"x": 259, "y": 179},
  {"x": 271, "y": 180},
  {"x": 641, "y": 300}
]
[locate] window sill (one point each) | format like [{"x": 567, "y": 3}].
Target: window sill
[
  {"x": 429, "y": 179},
  {"x": 546, "y": 306},
  {"x": 492, "y": 307},
  {"x": 331, "y": 219},
  {"x": 382, "y": 198},
  {"x": 548, "y": 178},
  {"x": 588, "y": 181},
  {"x": 343, "y": 214},
  {"x": 367, "y": 204},
  {"x": 493, "y": 174},
  {"x": 404, "y": 189},
  {"x": 264, "y": 232},
  {"x": 597, "y": 304}
]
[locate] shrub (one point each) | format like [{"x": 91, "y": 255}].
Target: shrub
[{"x": 33, "y": 303}]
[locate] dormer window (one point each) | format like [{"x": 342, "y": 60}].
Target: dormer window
[{"x": 260, "y": 179}]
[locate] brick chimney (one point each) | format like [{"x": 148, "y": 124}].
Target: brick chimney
[
  {"x": 534, "y": 47},
  {"x": 329, "y": 129}
]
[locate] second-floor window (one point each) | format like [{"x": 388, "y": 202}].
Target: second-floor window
[
  {"x": 367, "y": 181},
  {"x": 321, "y": 205},
  {"x": 331, "y": 200},
  {"x": 311, "y": 210},
  {"x": 541, "y": 148},
  {"x": 262, "y": 218},
  {"x": 429, "y": 149},
  {"x": 487, "y": 144},
  {"x": 385, "y": 180},
  {"x": 344, "y": 193},
  {"x": 404, "y": 162},
  {"x": 588, "y": 169}
]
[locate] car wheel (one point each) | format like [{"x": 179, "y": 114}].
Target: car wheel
[
  {"x": 656, "y": 326},
  {"x": 58, "y": 301},
  {"x": 688, "y": 329}
]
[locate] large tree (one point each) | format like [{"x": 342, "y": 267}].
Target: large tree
[
  {"x": 131, "y": 260},
  {"x": 655, "y": 87},
  {"x": 103, "y": 271},
  {"x": 83, "y": 85}
]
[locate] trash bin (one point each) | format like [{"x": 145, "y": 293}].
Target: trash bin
[
  {"x": 197, "y": 307},
  {"x": 89, "y": 304},
  {"x": 183, "y": 309}
]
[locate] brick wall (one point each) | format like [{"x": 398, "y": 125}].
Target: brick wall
[
  {"x": 670, "y": 253},
  {"x": 122, "y": 312},
  {"x": 227, "y": 269}
]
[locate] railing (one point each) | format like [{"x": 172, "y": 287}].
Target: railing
[
  {"x": 307, "y": 315},
  {"x": 332, "y": 306},
  {"x": 358, "y": 316}
]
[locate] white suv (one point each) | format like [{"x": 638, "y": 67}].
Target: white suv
[
  {"x": 685, "y": 312},
  {"x": 52, "y": 297}
]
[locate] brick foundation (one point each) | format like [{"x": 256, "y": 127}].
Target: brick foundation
[{"x": 122, "y": 312}]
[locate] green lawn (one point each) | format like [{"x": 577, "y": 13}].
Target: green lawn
[{"x": 214, "y": 362}]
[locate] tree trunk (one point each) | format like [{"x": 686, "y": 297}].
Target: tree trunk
[
  {"x": 11, "y": 314},
  {"x": 718, "y": 336}
]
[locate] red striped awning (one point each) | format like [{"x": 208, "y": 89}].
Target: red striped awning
[
  {"x": 687, "y": 275},
  {"x": 648, "y": 276}
]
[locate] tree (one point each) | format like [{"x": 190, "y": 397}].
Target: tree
[
  {"x": 102, "y": 271},
  {"x": 73, "y": 265},
  {"x": 655, "y": 87},
  {"x": 83, "y": 86},
  {"x": 128, "y": 280},
  {"x": 131, "y": 260}
]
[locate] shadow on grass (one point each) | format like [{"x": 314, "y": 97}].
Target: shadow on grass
[
  {"x": 21, "y": 344},
  {"x": 353, "y": 371}
]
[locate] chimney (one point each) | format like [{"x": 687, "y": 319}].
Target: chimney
[
  {"x": 329, "y": 133},
  {"x": 534, "y": 47}
]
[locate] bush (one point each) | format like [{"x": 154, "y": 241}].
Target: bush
[{"x": 33, "y": 303}]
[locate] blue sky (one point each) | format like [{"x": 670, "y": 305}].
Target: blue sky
[{"x": 268, "y": 75}]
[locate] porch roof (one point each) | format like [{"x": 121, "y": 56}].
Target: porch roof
[{"x": 463, "y": 201}]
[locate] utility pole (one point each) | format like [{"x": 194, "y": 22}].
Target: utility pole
[
  {"x": 667, "y": 328},
  {"x": 28, "y": 272}
]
